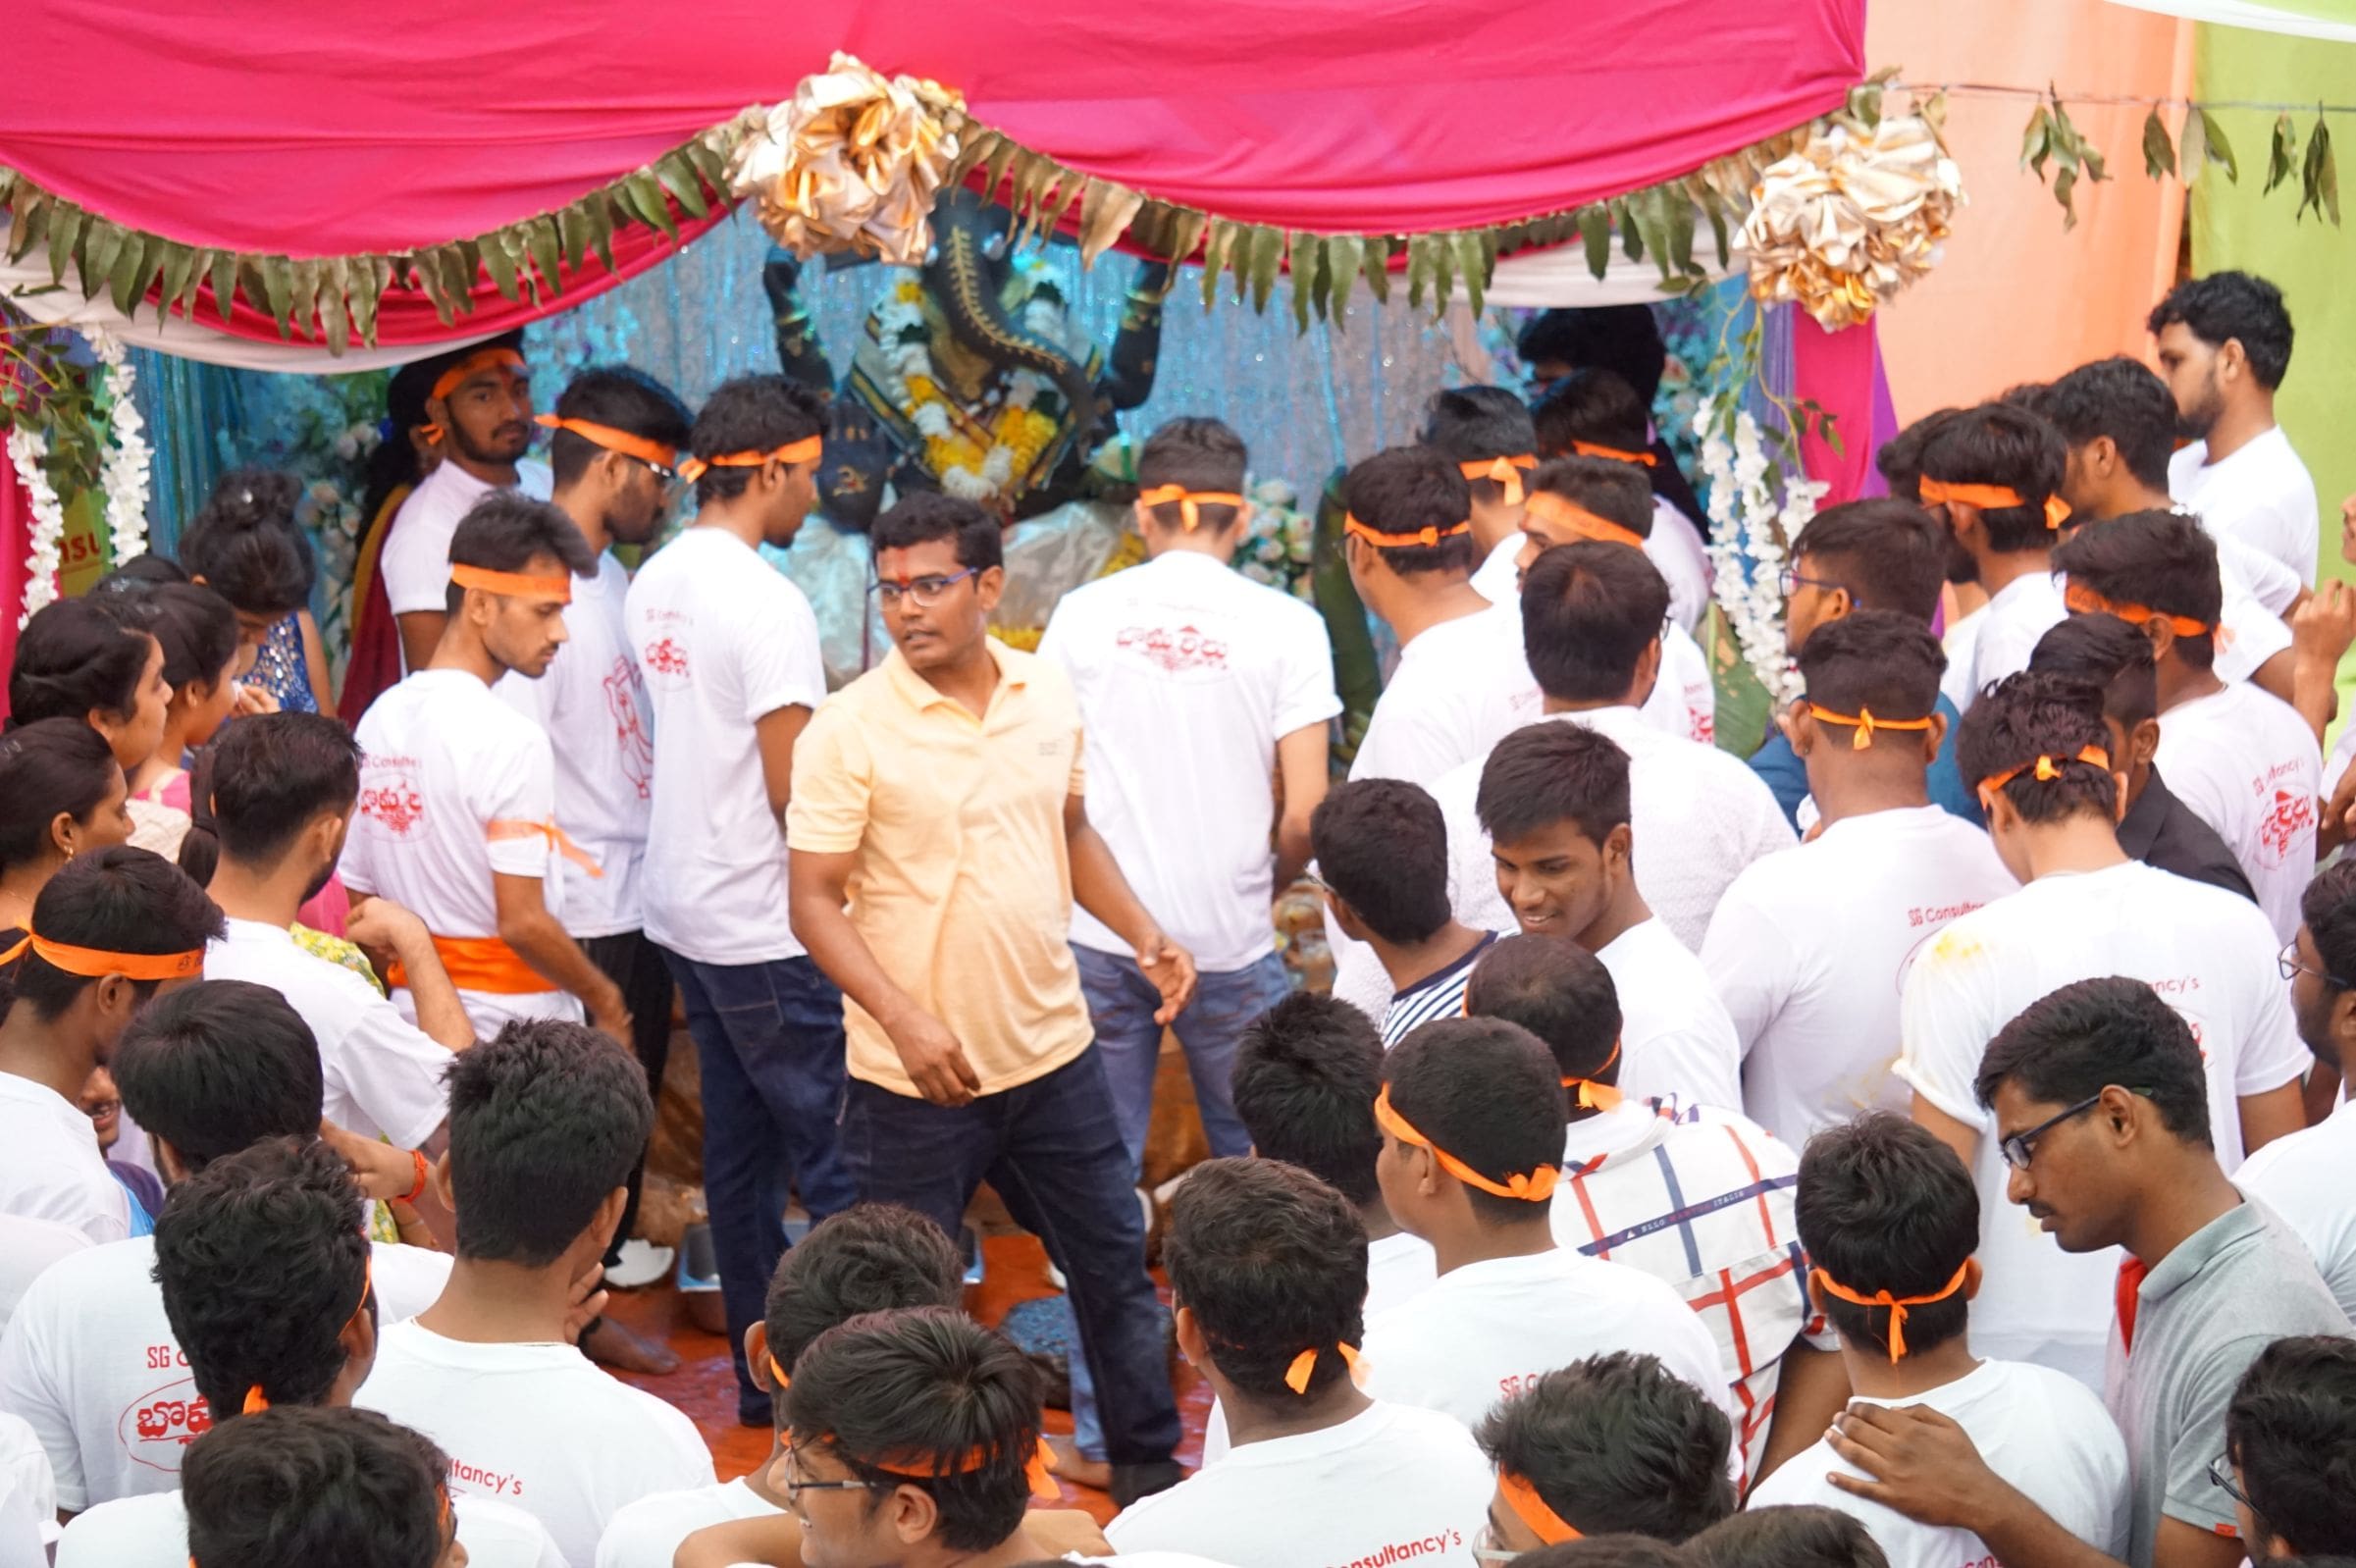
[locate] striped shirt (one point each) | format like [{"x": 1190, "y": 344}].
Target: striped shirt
[
  {"x": 1702, "y": 1198},
  {"x": 1438, "y": 995}
]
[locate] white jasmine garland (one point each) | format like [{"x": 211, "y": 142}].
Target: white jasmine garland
[
  {"x": 1747, "y": 544},
  {"x": 123, "y": 472},
  {"x": 26, "y": 449}
]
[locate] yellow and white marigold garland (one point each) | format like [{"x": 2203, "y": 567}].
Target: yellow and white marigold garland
[{"x": 1020, "y": 430}]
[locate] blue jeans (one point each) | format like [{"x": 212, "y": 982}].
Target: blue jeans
[
  {"x": 769, "y": 1045},
  {"x": 1051, "y": 1152},
  {"x": 1122, "y": 1003}
]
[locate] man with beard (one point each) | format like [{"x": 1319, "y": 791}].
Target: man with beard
[{"x": 479, "y": 409}]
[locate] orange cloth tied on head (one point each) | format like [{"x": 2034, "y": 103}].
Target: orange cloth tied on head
[
  {"x": 1422, "y": 536},
  {"x": 257, "y": 1400},
  {"x": 1594, "y": 1096},
  {"x": 1038, "y": 1469},
  {"x": 559, "y": 589},
  {"x": 1535, "y": 1186},
  {"x": 1896, "y": 1304},
  {"x": 805, "y": 450},
  {"x": 1549, "y": 1527},
  {"x": 644, "y": 449},
  {"x": 1188, "y": 502},
  {"x": 2046, "y": 768},
  {"x": 1505, "y": 471},
  {"x": 452, "y": 379},
  {"x": 1864, "y": 723},
  {"x": 95, "y": 963},
  {"x": 2084, "y": 600},
  {"x": 1551, "y": 507},
  {"x": 778, "y": 1372},
  {"x": 1934, "y": 492},
  {"x": 1298, "y": 1372},
  {"x": 1594, "y": 448}
]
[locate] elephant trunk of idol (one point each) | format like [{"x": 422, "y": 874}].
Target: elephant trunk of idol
[{"x": 966, "y": 283}]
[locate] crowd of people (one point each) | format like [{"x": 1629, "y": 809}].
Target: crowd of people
[{"x": 1918, "y": 1144}]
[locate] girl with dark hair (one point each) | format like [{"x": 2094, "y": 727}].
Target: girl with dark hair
[
  {"x": 247, "y": 546},
  {"x": 61, "y": 792},
  {"x": 202, "y": 655},
  {"x": 74, "y": 661},
  {"x": 410, "y": 450}
]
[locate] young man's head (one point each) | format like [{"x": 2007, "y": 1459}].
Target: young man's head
[
  {"x": 1899, "y": 460},
  {"x": 265, "y": 1275},
  {"x": 1622, "y": 338},
  {"x": 2100, "y": 1102},
  {"x": 1471, "y": 1113},
  {"x": 1885, "y": 554},
  {"x": 478, "y": 404},
  {"x": 1592, "y": 616},
  {"x": 1563, "y": 995},
  {"x": 1382, "y": 852},
  {"x": 1554, "y": 800},
  {"x": 1190, "y": 487},
  {"x": 2155, "y": 571},
  {"x": 283, "y": 787},
  {"x": 296, "y": 1488},
  {"x": 1307, "y": 1072},
  {"x": 1872, "y": 699},
  {"x": 111, "y": 930},
  {"x": 1806, "y": 1537},
  {"x": 1594, "y": 413},
  {"x": 512, "y": 564},
  {"x": 547, "y": 1121},
  {"x": 754, "y": 447},
  {"x": 1408, "y": 532},
  {"x": 1884, "y": 1206},
  {"x": 2108, "y": 653},
  {"x": 913, "y": 1436},
  {"x": 1486, "y": 430},
  {"x": 615, "y": 451},
  {"x": 1592, "y": 499},
  {"x": 2224, "y": 343},
  {"x": 871, "y": 1257},
  {"x": 2290, "y": 1439},
  {"x": 940, "y": 566},
  {"x": 2037, "y": 750},
  {"x": 1612, "y": 1445},
  {"x": 1989, "y": 474},
  {"x": 2120, "y": 424},
  {"x": 2322, "y": 995},
  {"x": 1268, "y": 1270},
  {"x": 217, "y": 1066}
]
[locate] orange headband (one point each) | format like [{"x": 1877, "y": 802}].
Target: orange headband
[
  {"x": 92, "y": 962},
  {"x": 1038, "y": 1469},
  {"x": 2048, "y": 768},
  {"x": 1189, "y": 500},
  {"x": 804, "y": 450},
  {"x": 2086, "y": 602},
  {"x": 559, "y": 589},
  {"x": 1866, "y": 724},
  {"x": 1593, "y": 448},
  {"x": 1506, "y": 471},
  {"x": 1296, "y": 1376},
  {"x": 1935, "y": 491},
  {"x": 1422, "y": 536},
  {"x": 779, "y": 1373},
  {"x": 1549, "y": 1527},
  {"x": 1896, "y": 1304},
  {"x": 256, "y": 1400},
  {"x": 645, "y": 450},
  {"x": 1585, "y": 524},
  {"x": 1535, "y": 1187},
  {"x": 481, "y": 359},
  {"x": 1594, "y": 1096}
]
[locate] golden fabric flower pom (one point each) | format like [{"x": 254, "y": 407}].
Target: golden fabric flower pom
[
  {"x": 851, "y": 162},
  {"x": 1851, "y": 218}
]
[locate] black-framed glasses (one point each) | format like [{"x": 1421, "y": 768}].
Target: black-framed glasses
[
  {"x": 2022, "y": 1147},
  {"x": 2287, "y": 962},
  {"x": 795, "y": 1485},
  {"x": 2221, "y": 1475},
  {"x": 923, "y": 592},
  {"x": 1788, "y": 581}
]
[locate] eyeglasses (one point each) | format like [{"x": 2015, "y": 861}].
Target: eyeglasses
[
  {"x": 2022, "y": 1147},
  {"x": 2220, "y": 1473},
  {"x": 923, "y": 592},
  {"x": 1787, "y": 582},
  {"x": 793, "y": 1487},
  {"x": 2287, "y": 962},
  {"x": 1488, "y": 1554}
]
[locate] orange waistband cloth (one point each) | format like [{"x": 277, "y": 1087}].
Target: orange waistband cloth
[{"x": 481, "y": 963}]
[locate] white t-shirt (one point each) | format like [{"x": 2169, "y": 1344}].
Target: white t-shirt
[
  {"x": 1809, "y": 951},
  {"x": 1187, "y": 672},
  {"x": 537, "y": 1426},
  {"x": 647, "y": 1532},
  {"x": 50, "y": 1167},
  {"x": 724, "y": 640},
  {"x": 1391, "y": 1484},
  {"x": 1676, "y": 551},
  {"x": 2019, "y": 613},
  {"x": 1483, "y": 1330},
  {"x": 1498, "y": 577},
  {"x": 2247, "y": 766},
  {"x": 1460, "y": 687},
  {"x": 2304, "y": 1179},
  {"x": 382, "y": 1076},
  {"x": 152, "y": 1532},
  {"x": 2249, "y": 570},
  {"x": 2210, "y": 954},
  {"x": 90, "y": 1361},
  {"x": 2036, "y": 1429},
  {"x": 1962, "y": 643},
  {"x": 1675, "y": 1035},
  {"x": 27, "y": 1249},
  {"x": 593, "y": 704},
  {"x": 1683, "y": 701},
  {"x": 415, "y": 561},
  {"x": 443, "y": 762},
  {"x": 2262, "y": 495}
]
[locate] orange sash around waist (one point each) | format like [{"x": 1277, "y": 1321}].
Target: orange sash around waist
[{"x": 481, "y": 963}]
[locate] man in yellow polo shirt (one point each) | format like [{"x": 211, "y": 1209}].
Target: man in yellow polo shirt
[{"x": 938, "y": 836}]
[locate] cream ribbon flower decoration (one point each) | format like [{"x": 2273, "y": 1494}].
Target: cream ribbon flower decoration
[
  {"x": 851, "y": 162},
  {"x": 1852, "y": 217}
]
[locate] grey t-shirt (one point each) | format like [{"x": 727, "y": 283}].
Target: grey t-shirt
[{"x": 2201, "y": 1316}]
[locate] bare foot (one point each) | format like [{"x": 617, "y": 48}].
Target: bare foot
[
  {"x": 611, "y": 1344},
  {"x": 1081, "y": 1470}
]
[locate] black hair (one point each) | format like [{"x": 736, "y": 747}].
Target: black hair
[
  {"x": 1883, "y": 1205},
  {"x": 1559, "y": 992},
  {"x": 48, "y": 768},
  {"x": 925, "y": 516},
  {"x": 750, "y": 414},
  {"x": 2163, "y": 562},
  {"x": 271, "y": 774},
  {"x": 1613, "y": 490},
  {"x": 293, "y": 1488},
  {"x": 142, "y": 570},
  {"x": 2119, "y": 397},
  {"x": 2106, "y": 651},
  {"x": 1401, "y": 490},
  {"x": 1589, "y": 612},
  {"x": 1622, "y": 338},
  {"x": 72, "y": 658},
  {"x": 219, "y": 1066},
  {"x": 262, "y": 1265},
  {"x": 1874, "y": 659},
  {"x": 1474, "y": 424},
  {"x": 1592, "y": 404},
  {"x": 1616, "y": 1445},
  {"x": 2069, "y": 1044},
  {"x": 1809, "y": 1535},
  {"x": 1307, "y": 1072},
  {"x": 506, "y": 531},
  {"x": 1899, "y": 460},
  {"x": 1200, "y": 454},
  {"x": 924, "y": 1389},
  {"x": 546, "y": 1119},
  {"x": 1272, "y": 1262},
  {"x": 118, "y": 899},
  {"x": 1552, "y": 772},
  {"x": 1889, "y": 553},
  {"x": 1997, "y": 443},
  {"x": 1486, "y": 1092},
  {"x": 2291, "y": 1428},
  {"x": 623, "y": 398},
  {"x": 197, "y": 627},
  {"x": 247, "y": 546},
  {"x": 871, "y": 1257},
  {"x": 393, "y": 464},
  {"x": 2327, "y": 908},
  {"x": 2028, "y": 715},
  {"x": 1382, "y": 846},
  {"x": 2230, "y": 306}
]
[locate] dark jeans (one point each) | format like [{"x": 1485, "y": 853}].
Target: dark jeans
[
  {"x": 1052, "y": 1150},
  {"x": 1122, "y": 1003},
  {"x": 634, "y": 964},
  {"x": 769, "y": 1045}
]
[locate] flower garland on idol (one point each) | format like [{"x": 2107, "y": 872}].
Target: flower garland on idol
[
  {"x": 1746, "y": 560},
  {"x": 122, "y": 477},
  {"x": 987, "y": 458}
]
